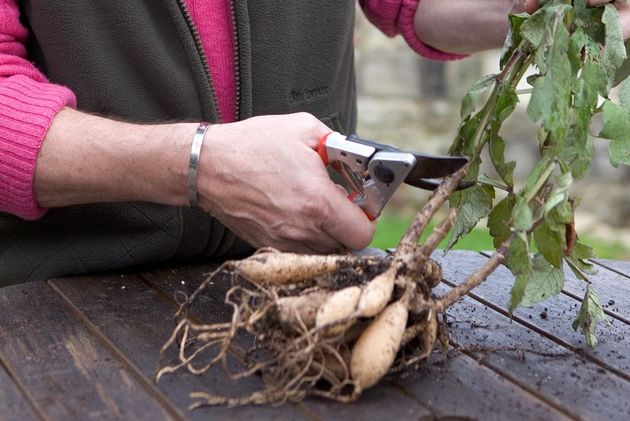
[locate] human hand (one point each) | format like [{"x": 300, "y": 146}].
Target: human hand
[{"x": 264, "y": 180}]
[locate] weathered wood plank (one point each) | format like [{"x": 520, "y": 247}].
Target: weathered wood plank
[
  {"x": 552, "y": 318},
  {"x": 620, "y": 266},
  {"x": 461, "y": 387},
  {"x": 65, "y": 369},
  {"x": 613, "y": 287},
  {"x": 137, "y": 320},
  {"x": 560, "y": 376},
  {"x": 13, "y": 405},
  {"x": 210, "y": 308}
]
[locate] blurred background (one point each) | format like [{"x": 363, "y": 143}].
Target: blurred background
[{"x": 414, "y": 103}]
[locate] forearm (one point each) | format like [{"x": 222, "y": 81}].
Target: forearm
[
  {"x": 464, "y": 26},
  {"x": 88, "y": 159}
]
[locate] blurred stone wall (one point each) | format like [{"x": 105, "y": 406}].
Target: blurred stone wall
[{"x": 414, "y": 103}]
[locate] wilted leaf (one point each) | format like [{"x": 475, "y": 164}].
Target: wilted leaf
[
  {"x": 590, "y": 312},
  {"x": 579, "y": 261}
]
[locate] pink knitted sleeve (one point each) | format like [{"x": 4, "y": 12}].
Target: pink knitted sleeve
[
  {"x": 395, "y": 17},
  {"x": 28, "y": 103}
]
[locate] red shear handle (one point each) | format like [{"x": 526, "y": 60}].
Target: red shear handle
[
  {"x": 321, "y": 149},
  {"x": 323, "y": 153},
  {"x": 353, "y": 198}
]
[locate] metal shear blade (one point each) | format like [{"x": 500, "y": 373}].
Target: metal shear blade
[{"x": 430, "y": 169}]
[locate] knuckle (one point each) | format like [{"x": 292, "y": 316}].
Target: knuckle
[
  {"x": 307, "y": 120},
  {"x": 289, "y": 232}
]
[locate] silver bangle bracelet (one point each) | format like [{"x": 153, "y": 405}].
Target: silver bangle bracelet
[{"x": 193, "y": 163}]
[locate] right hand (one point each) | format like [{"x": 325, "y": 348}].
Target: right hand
[{"x": 264, "y": 180}]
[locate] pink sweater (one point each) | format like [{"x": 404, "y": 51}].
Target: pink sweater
[{"x": 28, "y": 102}]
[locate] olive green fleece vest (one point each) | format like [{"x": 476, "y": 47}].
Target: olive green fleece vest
[{"x": 140, "y": 61}]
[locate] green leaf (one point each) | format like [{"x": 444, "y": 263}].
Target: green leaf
[
  {"x": 470, "y": 100},
  {"x": 624, "y": 96},
  {"x": 577, "y": 42},
  {"x": 551, "y": 96},
  {"x": 522, "y": 215},
  {"x": 615, "y": 51},
  {"x": 520, "y": 265},
  {"x": 497, "y": 155},
  {"x": 624, "y": 70},
  {"x": 589, "y": 19},
  {"x": 506, "y": 103},
  {"x": 577, "y": 151},
  {"x": 499, "y": 220},
  {"x": 550, "y": 241},
  {"x": 514, "y": 37},
  {"x": 463, "y": 144},
  {"x": 535, "y": 176},
  {"x": 474, "y": 204},
  {"x": 544, "y": 282},
  {"x": 617, "y": 128},
  {"x": 579, "y": 262},
  {"x": 560, "y": 192},
  {"x": 590, "y": 312},
  {"x": 533, "y": 29}
]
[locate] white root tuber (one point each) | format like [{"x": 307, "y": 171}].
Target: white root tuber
[
  {"x": 337, "y": 312},
  {"x": 300, "y": 310},
  {"x": 376, "y": 349},
  {"x": 285, "y": 268},
  {"x": 377, "y": 293}
]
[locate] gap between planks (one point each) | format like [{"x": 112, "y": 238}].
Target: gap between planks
[
  {"x": 150, "y": 388},
  {"x": 610, "y": 268},
  {"x": 22, "y": 389}
]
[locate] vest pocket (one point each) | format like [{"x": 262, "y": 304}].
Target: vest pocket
[{"x": 333, "y": 122}]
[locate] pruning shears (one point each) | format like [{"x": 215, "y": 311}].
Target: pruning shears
[{"x": 374, "y": 171}]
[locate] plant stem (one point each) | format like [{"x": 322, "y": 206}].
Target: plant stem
[
  {"x": 439, "y": 233},
  {"x": 541, "y": 181}
]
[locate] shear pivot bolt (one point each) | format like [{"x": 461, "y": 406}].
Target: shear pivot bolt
[{"x": 384, "y": 174}]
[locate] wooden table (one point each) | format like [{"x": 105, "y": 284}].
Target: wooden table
[{"x": 86, "y": 348}]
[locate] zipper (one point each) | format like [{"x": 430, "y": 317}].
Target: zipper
[
  {"x": 237, "y": 62},
  {"x": 204, "y": 60}
]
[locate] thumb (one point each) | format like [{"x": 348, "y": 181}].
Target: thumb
[{"x": 347, "y": 223}]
